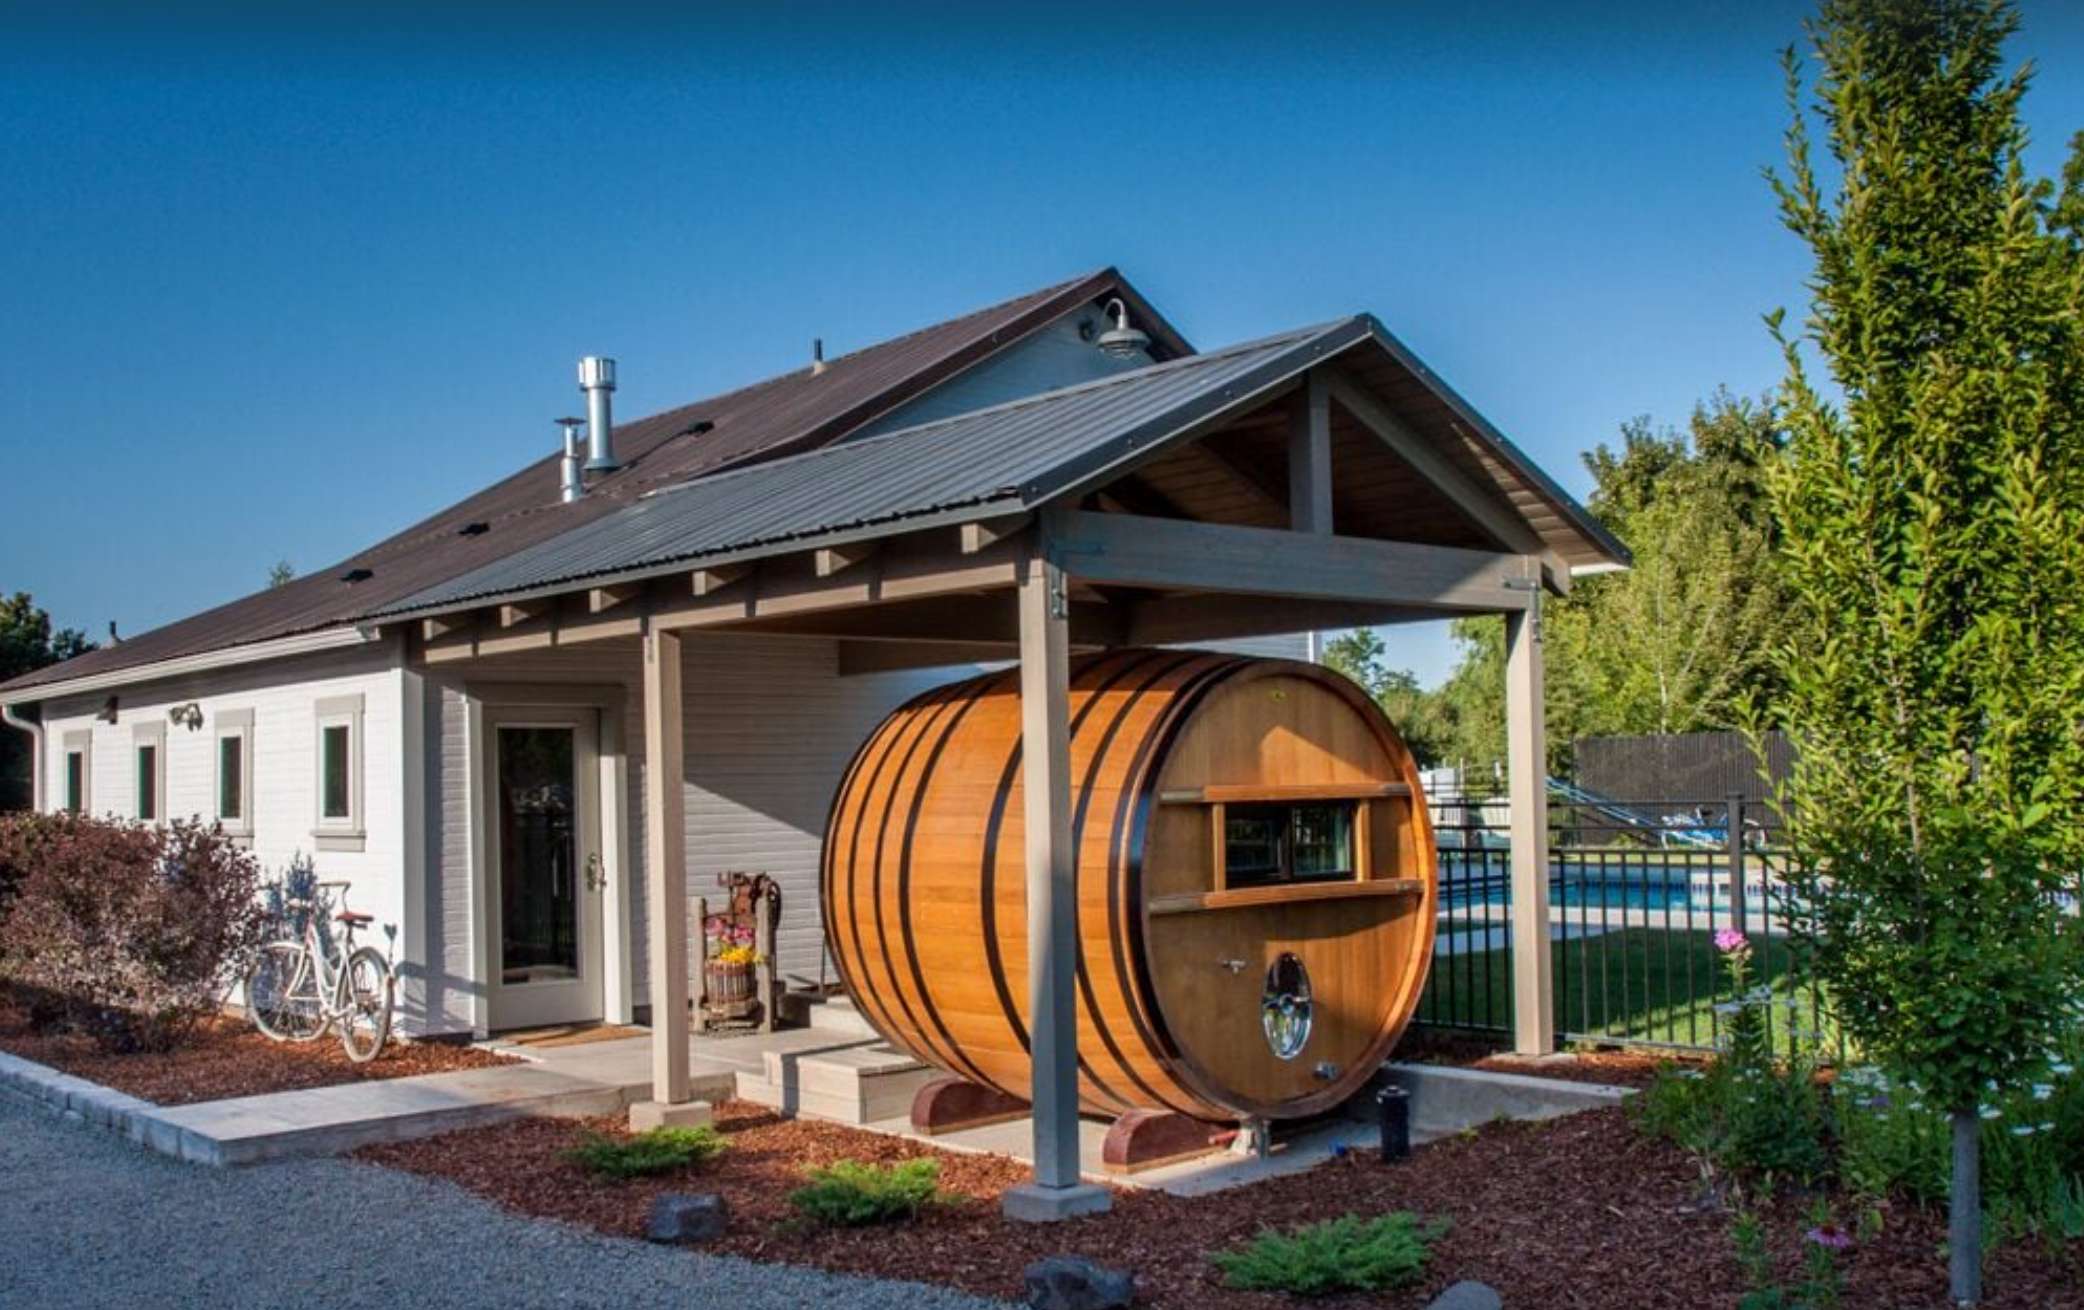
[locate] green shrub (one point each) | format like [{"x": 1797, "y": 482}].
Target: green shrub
[
  {"x": 128, "y": 932},
  {"x": 851, "y": 1194},
  {"x": 1350, "y": 1254},
  {"x": 653, "y": 1151},
  {"x": 1893, "y": 1141},
  {"x": 1758, "y": 1118}
]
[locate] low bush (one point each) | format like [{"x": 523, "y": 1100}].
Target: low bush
[
  {"x": 20, "y": 837},
  {"x": 653, "y": 1151},
  {"x": 1893, "y": 1142},
  {"x": 1350, "y": 1254},
  {"x": 130, "y": 933},
  {"x": 851, "y": 1194},
  {"x": 1756, "y": 1117}
]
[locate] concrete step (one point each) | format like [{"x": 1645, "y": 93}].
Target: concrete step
[
  {"x": 838, "y": 1015},
  {"x": 852, "y": 1085}
]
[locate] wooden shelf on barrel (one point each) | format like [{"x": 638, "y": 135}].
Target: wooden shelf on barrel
[{"x": 1291, "y": 893}]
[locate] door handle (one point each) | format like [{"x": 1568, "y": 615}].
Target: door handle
[{"x": 595, "y": 879}]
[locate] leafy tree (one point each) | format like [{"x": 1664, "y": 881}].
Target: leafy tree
[
  {"x": 1362, "y": 656},
  {"x": 27, "y": 643},
  {"x": 281, "y": 573},
  {"x": 1682, "y": 640},
  {"x": 1932, "y": 528}
]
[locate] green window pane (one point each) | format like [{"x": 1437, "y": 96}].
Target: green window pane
[
  {"x": 148, "y": 782},
  {"x": 335, "y": 791},
  {"x": 1322, "y": 841},
  {"x": 1252, "y": 843},
  {"x": 75, "y": 781},
  {"x": 231, "y": 778}
]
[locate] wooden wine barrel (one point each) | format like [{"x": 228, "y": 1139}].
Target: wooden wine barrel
[{"x": 1256, "y": 883}]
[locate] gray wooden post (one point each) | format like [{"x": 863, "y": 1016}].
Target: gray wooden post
[
  {"x": 665, "y": 879},
  {"x": 763, "y": 972},
  {"x": 1309, "y": 457},
  {"x": 1052, "y": 898},
  {"x": 1526, "y": 743}
]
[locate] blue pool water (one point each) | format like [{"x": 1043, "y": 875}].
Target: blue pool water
[{"x": 1636, "y": 883}]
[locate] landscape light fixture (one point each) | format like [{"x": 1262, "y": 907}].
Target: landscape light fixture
[{"x": 1122, "y": 341}]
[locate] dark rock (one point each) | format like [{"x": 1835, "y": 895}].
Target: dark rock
[
  {"x": 683, "y": 1218},
  {"x": 1069, "y": 1282},
  {"x": 1467, "y": 1295}
]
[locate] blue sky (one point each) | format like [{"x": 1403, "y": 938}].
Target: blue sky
[{"x": 277, "y": 292}]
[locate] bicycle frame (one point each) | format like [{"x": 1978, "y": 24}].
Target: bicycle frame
[{"x": 334, "y": 997}]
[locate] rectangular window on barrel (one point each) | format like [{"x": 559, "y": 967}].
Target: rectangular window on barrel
[{"x": 1266, "y": 845}]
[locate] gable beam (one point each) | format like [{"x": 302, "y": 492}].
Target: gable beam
[
  {"x": 602, "y": 599},
  {"x": 1504, "y": 526},
  {"x": 1132, "y": 551},
  {"x": 708, "y": 581},
  {"x": 985, "y": 533},
  {"x": 1309, "y": 456},
  {"x": 445, "y": 625},
  {"x": 828, "y": 560},
  {"x": 516, "y": 613}
]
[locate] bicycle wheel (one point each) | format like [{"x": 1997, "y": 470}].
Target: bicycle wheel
[
  {"x": 282, "y": 994},
  {"x": 367, "y": 1022}
]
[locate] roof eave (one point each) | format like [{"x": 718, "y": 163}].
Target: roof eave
[
  {"x": 1565, "y": 504},
  {"x": 334, "y": 637}
]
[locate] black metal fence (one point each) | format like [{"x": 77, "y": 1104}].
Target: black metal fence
[{"x": 1637, "y": 891}]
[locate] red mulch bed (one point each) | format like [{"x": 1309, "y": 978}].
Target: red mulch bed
[
  {"x": 225, "y": 1057},
  {"x": 1576, "y": 1212}
]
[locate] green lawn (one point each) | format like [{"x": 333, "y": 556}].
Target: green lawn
[{"x": 1645, "y": 985}]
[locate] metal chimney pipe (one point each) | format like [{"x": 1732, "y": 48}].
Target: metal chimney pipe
[
  {"x": 597, "y": 380},
  {"x": 569, "y": 478}
]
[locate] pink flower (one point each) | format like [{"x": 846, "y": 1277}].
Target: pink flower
[
  {"x": 1829, "y": 1236},
  {"x": 1729, "y": 941}
]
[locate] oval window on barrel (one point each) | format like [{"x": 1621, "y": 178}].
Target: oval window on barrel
[{"x": 1285, "y": 1009}]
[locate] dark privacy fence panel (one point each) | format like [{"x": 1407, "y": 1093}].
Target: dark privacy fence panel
[{"x": 1715, "y": 765}]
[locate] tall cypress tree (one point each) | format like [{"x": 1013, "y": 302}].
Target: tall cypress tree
[{"x": 1931, "y": 509}]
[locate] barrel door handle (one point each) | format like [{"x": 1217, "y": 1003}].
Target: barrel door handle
[{"x": 595, "y": 878}]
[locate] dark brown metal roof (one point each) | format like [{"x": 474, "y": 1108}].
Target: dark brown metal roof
[{"x": 784, "y": 415}]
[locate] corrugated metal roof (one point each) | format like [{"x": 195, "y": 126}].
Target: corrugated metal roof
[
  {"x": 1009, "y": 456},
  {"x": 789, "y": 413}
]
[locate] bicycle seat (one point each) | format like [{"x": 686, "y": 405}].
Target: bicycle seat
[{"x": 354, "y": 917}]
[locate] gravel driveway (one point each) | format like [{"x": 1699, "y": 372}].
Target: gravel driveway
[{"x": 90, "y": 1221}]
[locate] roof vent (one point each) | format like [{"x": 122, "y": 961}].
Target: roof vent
[
  {"x": 597, "y": 380},
  {"x": 697, "y": 428},
  {"x": 571, "y": 480},
  {"x": 817, "y": 356},
  {"x": 474, "y": 529},
  {"x": 353, "y": 576}
]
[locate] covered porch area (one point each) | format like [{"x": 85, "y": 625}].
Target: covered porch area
[{"x": 1314, "y": 481}]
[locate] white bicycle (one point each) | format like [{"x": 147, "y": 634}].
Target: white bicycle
[{"x": 297, "y": 989}]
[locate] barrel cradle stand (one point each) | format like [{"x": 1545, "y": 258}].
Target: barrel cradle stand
[{"x": 1256, "y": 894}]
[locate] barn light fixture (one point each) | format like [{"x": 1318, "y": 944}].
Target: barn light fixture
[
  {"x": 1122, "y": 341},
  {"x": 189, "y": 716}
]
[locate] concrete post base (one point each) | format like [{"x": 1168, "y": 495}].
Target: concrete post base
[
  {"x": 1032, "y": 1203},
  {"x": 646, "y": 1115}
]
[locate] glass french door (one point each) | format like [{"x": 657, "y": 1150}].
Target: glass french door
[{"x": 544, "y": 866}]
